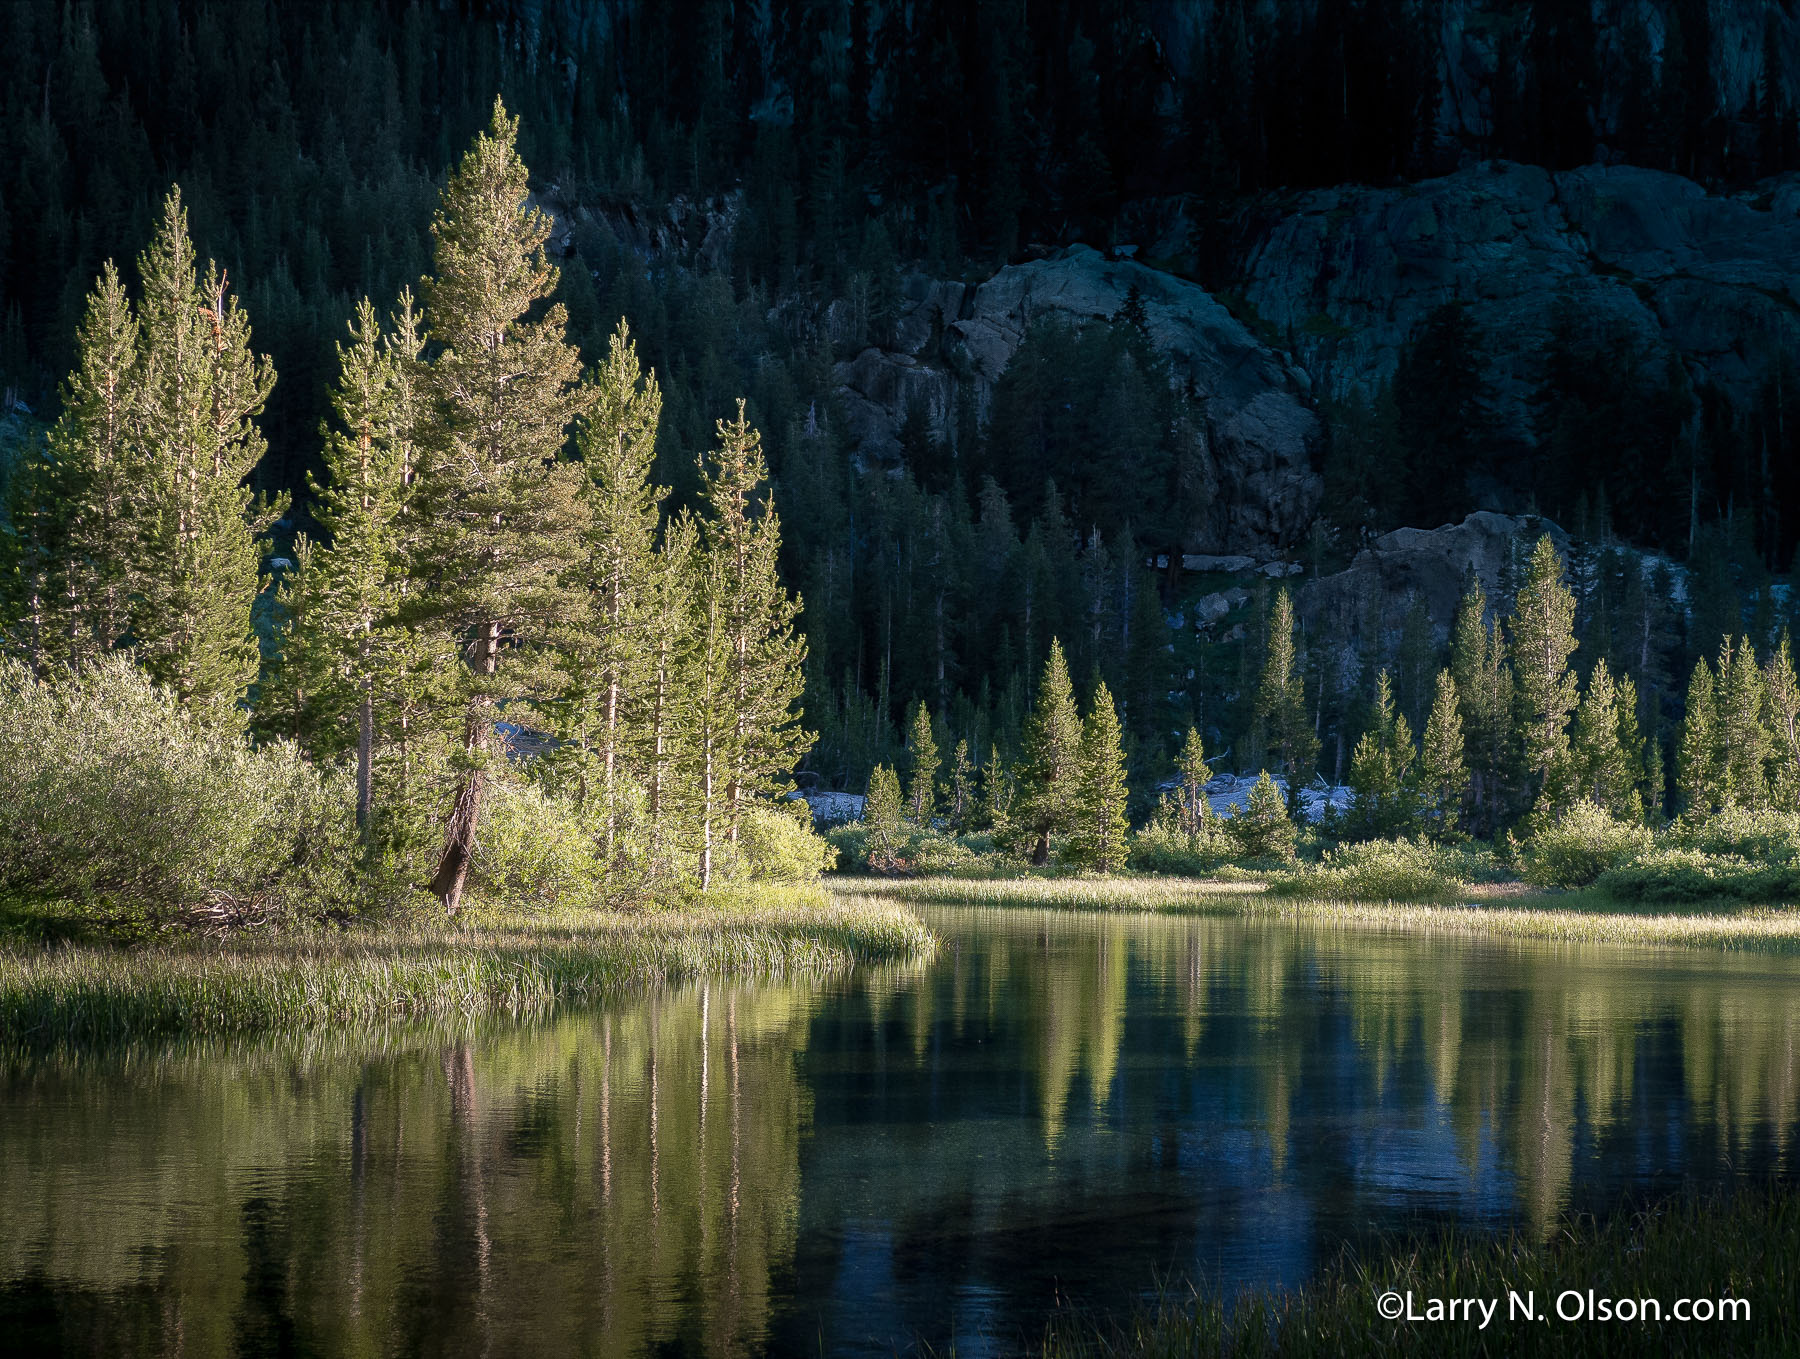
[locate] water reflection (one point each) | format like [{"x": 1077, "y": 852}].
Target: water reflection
[{"x": 1059, "y": 1108}]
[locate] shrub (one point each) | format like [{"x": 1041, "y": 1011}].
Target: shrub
[
  {"x": 916, "y": 852},
  {"x": 1378, "y": 870},
  {"x": 778, "y": 844},
  {"x": 1763, "y": 835},
  {"x": 1577, "y": 847},
  {"x": 1261, "y": 827},
  {"x": 533, "y": 849},
  {"x": 128, "y": 805},
  {"x": 1672, "y": 874},
  {"x": 1164, "y": 847}
]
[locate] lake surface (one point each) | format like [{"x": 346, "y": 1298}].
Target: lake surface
[{"x": 1058, "y": 1111}]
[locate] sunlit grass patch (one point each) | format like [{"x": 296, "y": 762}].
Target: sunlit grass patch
[
  {"x": 1497, "y": 909},
  {"x": 506, "y": 963}
]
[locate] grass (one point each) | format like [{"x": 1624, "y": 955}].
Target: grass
[
  {"x": 1739, "y": 1248},
  {"x": 76, "y": 994},
  {"x": 1488, "y": 908}
]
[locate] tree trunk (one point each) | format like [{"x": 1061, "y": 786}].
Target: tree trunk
[
  {"x": 1041, "y": 854},
  {"x": 465, "y": 814},
  {"x": 365, "y": 751}
]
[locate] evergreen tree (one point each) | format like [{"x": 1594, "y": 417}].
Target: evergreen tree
[
  {"x": 1484, "y": 688},
  {"x": 341, "y": 644},
  {"x": 606, "y": 653},
  {"x": 502, "y": 518},
  {"x": 1700, "y": 778},
  {"x": 1604, "y": 771},
  {"x": 1195, "y": 775},
  {"x": 1099, "y": 838},
  {"x": 1542, "y": 635},
  {"x": 1743, "y": 737},
  {"x": 764, "y": 651},
  {"x": 1784, "y": 720},
  {"x": 962, "y": 788},
  {"x": 1380, "y": 767},
  {"x": 200, "y": 388},
  {"x": 882, "y": 819},
  {"x": 922, "y": 788},
  {"x": 81, "y": 560},
  {"x": 1443, "y": 778},
  {"x": 1281, "y": 714},
  {"x": 996, "y": 794},
  {"x": 1262, "y": 827},
  {"x": 1046, "y": 771}
]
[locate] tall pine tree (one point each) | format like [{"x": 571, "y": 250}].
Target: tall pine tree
[
  {"x": 1542, "y": 636},
  {"x": 1048, "y": 761},
  {"x": 1099, "y": 833},
  {"x": 503, "y": 520}
]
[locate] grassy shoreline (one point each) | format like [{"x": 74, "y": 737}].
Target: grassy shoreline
[
  {"x": 72, "y": 995},
  {"x": 1741, "y": 1247},
  {"x": 1496, "y": 909}
]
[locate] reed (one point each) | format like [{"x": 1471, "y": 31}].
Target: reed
[
  {"x": 1486, "y": 909},
  {"x": 1740, "y": 1248},
  {"x": 513, "y": 964}
]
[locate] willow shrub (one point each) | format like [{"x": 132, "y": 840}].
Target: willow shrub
[
  {"x": 1378, "y": 870},
  {"x": 1164, "y": 846},
  {"x": 126, "y": 805},
  {"x": 1575, "y": 848}
]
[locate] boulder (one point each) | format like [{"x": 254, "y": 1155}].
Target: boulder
[
  {"x": 1260, "y": 426},
  {"x": 1431, "y": 563}
]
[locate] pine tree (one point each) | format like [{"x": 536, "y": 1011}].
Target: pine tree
[
  {"x": 1699, "y": 776},
  {"x": 1783, "y": 690},
  {"x": 882, "y": 817},
  {"x": 200, "y": 388},
  {"x": 1379, "y": 770},
  {"x": 1743, "y": 737},
  {"x": 1641, "y": 790},
  {"x": 996, "y": 794},
  {"x": 922, "y": 785},
  {"x": 341, "y": 645},
  {"x": 607, "y": 650},
  {"x": 1603, "y": 770},
  {"x": 1443, "y": 778},
  {"x": 1045, "y": 773},
  {"x": 1484, "y": 688},
  {"x": 962, "y": 788},
  {"x": 1281, "y": 701},
  {"x": 764, "y": 651},
  {"x": 502, "y": 517},
  {"x": 672, "y": 698},
  {"x": 90, "y": 560},
  {"x": 1101, "y": 826},
  {"x": 1542, "y": 635},
  {"x": 1195, "y": 775},
  {"x": 1262, "y": 827}
]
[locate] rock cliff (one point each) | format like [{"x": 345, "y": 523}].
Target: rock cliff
[{"x": 1259, "y": 425}]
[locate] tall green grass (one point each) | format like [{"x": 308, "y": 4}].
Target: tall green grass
[
  {"x": 1742, "y": 1247},
  {"x": 506, "y": 964},
  {"x": 1488, "y": 910}
]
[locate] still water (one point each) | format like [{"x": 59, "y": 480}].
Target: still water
[{"x": 1060, "y": 1110}]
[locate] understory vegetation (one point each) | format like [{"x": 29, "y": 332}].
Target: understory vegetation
[{"x": 1693, "y": 1248}]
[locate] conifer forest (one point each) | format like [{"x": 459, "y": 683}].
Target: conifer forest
[{"x": 1178, "y": 594}]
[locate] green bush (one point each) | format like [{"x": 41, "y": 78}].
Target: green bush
[
  {"x": 1379, "y": 870},
  {"x": 127, "y": 805},
  {"x": 533, "y": 849},
  {"x": 1672, "y": 875},
  {"x": 778, "y": 844},
  {"x": 1576, "y": 848},
  {"x": 1763, "y": 835},
  {"x": 915, "y": 852},
  {"x": 1164, "y": 847}
]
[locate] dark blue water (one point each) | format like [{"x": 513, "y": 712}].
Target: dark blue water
[{"x": 1060, "y": 1111}]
